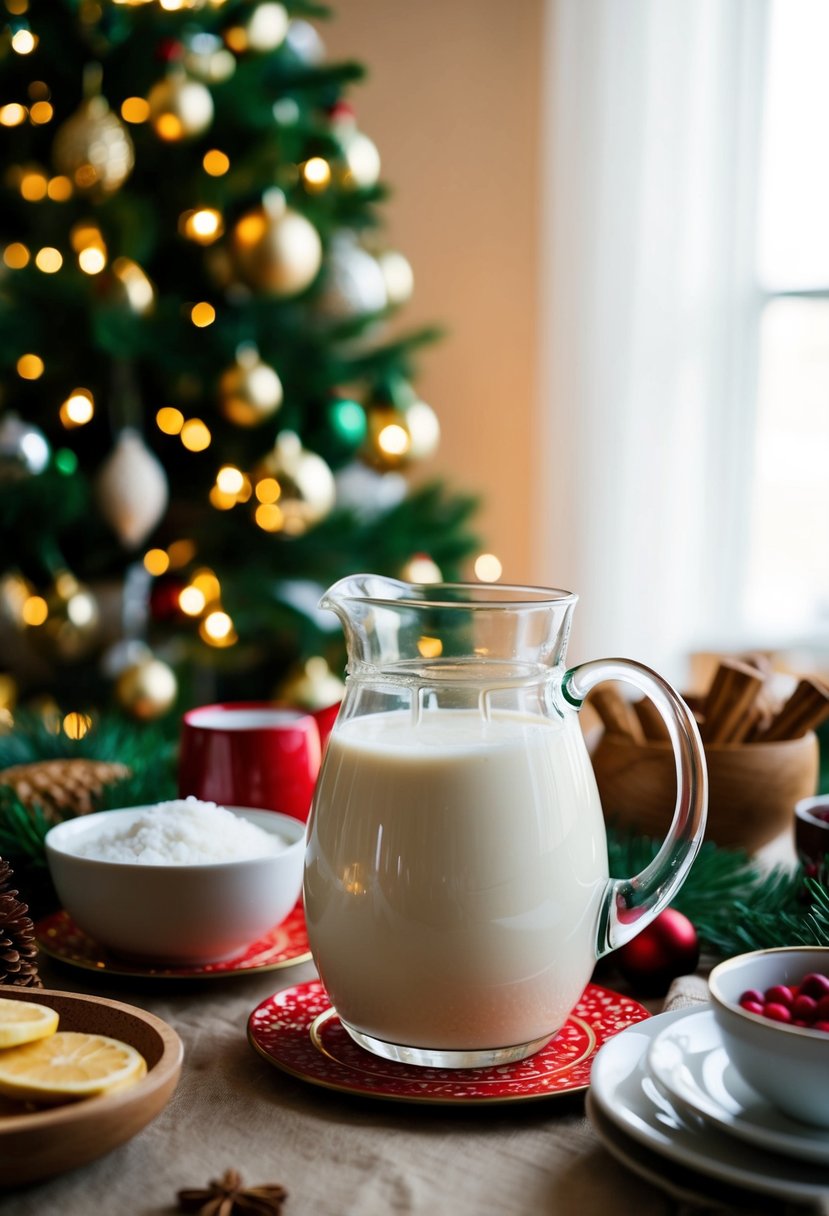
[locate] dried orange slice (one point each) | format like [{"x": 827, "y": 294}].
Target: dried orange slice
[
  {"x": 24, "y": 1021},
  {"x": 67, "y": 1066}
]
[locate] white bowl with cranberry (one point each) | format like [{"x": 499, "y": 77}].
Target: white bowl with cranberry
[{"x": 772, "y": 1010}]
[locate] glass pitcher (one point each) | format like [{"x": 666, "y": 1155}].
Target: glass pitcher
[{"x": 456, "y": 877}]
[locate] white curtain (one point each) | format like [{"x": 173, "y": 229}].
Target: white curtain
[{"x": 652, "y": 120}]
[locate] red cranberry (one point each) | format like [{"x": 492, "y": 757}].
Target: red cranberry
[
  {"x": 822, "y": 1010},
  {"x": 805, "y": 1007},
  {"x": 779, "y": 994},
  {"x": 752, "y": 994},
  {"x": 778, "y": 1012},
  {"x": 815, "y": 985},
  {"x": 752, "y": 1006},
  {"x": 824, "y": 1026}
]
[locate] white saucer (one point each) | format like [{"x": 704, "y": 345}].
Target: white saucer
[
  {"x": 690, "y": 1063},
  {"x": 626, "y": 1094}
]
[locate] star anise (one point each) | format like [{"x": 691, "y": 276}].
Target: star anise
[{"x": 228, "y": 1197}]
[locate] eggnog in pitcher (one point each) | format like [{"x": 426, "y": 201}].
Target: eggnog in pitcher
[{"x": 453, "y": 883}]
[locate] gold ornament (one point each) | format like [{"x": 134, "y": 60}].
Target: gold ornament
[
  {"x": 180, "y": 108},
  {"x": 311, "y": 686},
  {"x": 388, "y": 440},
  {"x": 69, "y": 629},
  {"x": 94, "y": 148},
  {"x": 294, "y": 487},
  {"x": 275, "y": 249},
  {"x": 146, "y": 690},
  {"x": 250, "y": 391}
]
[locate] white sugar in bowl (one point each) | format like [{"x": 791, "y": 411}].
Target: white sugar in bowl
[{"x": 169, "y": 887}]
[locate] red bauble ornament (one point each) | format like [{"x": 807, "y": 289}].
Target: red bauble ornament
[
  {"x": 164, "y": 604},
  {"x": 665, "y": 948}
]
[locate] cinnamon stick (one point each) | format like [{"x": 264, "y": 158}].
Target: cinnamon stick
[
  {"x": 650, "y": 720},
  {"x": 733, "y": 690},
  {"x": 805, "y": 709},
  {"x": 616, "y": 713}
]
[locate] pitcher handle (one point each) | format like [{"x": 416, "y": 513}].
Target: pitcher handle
[{"x": 631, "y": 903}]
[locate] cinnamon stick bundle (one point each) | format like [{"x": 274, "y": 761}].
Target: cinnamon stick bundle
[
  {"x": 805, "y": 709},
  {"x": 726, "y": 710},
  {"x": 616, "y": 713}
]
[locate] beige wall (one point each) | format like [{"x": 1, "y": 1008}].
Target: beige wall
[{"x": 452, "y": 102}]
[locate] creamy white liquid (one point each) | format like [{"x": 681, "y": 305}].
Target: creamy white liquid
[{"x": 453, "y": 877}]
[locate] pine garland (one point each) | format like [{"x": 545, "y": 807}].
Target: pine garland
[{"x": 736, "y": 904}]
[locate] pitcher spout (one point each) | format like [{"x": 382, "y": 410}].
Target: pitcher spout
[{"x": 455, "y": 626}]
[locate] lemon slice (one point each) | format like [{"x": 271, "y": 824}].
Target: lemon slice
[
  {"x": 67, "y": 1066},
  {"x": 23, "y": 1022}
]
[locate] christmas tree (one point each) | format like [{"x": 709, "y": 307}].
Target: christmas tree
[{"x": 208, "y": 409}]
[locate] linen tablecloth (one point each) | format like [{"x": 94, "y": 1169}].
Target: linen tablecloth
[{"x": 336, "y": 1155}]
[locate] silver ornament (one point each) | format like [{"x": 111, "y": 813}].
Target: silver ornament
[{"x": 24, "y": 450}]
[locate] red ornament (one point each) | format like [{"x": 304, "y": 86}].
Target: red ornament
[
  {"x": 164, "y": 602},
  {"x": 169, "y": 50},
  {"x": 665, "y": 948}
]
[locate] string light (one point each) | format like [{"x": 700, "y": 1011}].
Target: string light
[
  {"x": 17, "y": 7},
  {"x": 268, "y": 490},
  {"x": 48, "y": 260},
  {"x": 181, "y": 553},
  {"x": 34, "y": 611},
  {"x": 13, "y": 114},
  {"x": 203, "y": 226},
  {"x": 89, "y": 245},
  {"x": 229, "y": 479},
  {"x": 16, "y": 256},
  {"x": 38, "y": 89},
  {"x": 316, "y": 174},
  {"x": 135, "y": 109},
  {"x": 78, "y": 408},
  {"x": 195, "y": 436},
  {"x": 23, "y": 42},
  {"x": 217, "y": 629},
  {"x": 169, "y": 420},
  {"x": 156, "y": 562},
  {"x": 33, "y": 187},
  {"x": 220, "y": 500},
  {"x": 393, "y": 440},
  {"x": 216, "y": 163},
  {"x": 30, "y": 367},
  {"x": 488, "y": 568},
  {"x": 41, "y": 112},
  {"x": 269, "y": 517},
  {"x": 192, "y": 601},
  {"x": 206, "y": 582},
  {"x": 202, "y": 314},
  {"x": 59, "y": 189}
]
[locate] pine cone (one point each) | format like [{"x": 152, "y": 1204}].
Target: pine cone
[
  {"x": 62, "y": 787},
  {"x": 18, "y": 948}
]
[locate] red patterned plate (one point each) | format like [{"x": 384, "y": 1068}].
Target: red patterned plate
[
  {"x": 298, "y": 1031},
  {"x": 285, "y": 945}
]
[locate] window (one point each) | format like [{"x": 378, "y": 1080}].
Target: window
[{"x": 786, "y": 589}]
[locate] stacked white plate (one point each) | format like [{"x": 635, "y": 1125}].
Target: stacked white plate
[{"x": 666, "y": 1100}]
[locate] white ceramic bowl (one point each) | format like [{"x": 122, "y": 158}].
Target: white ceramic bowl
[
  {"x": 788, "y": 1065},
  {"x": 180, "y": 913}
]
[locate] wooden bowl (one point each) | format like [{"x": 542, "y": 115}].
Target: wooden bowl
[
  {"x": 37, "y": 1145},
  {"x": 752, "y": 787}
]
